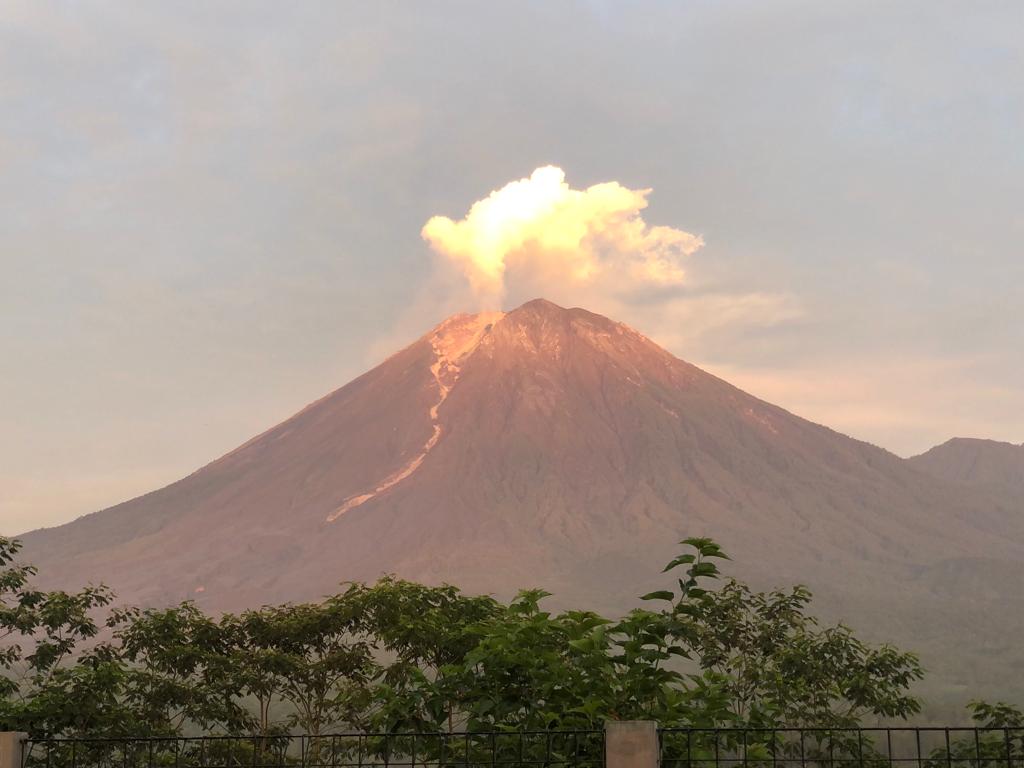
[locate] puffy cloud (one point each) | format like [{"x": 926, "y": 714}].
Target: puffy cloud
[{"x": 540, "y": 231}]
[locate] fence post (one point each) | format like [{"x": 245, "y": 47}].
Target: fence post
[
  {"x": 12, "y": 744},
  {"x": 630, "y": 744}
]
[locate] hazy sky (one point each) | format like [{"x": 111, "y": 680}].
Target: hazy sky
[{"x": 211, "y": 211}]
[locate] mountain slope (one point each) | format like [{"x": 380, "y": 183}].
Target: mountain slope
[
  {"x": 980, "y": 463},
  {"x": 554, "y": 447}
]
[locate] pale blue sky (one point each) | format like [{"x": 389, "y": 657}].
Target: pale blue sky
[{"x": 211, "y": 210}]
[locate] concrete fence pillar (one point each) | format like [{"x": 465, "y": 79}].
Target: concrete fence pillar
[
  {"x": 629, "y": 744},
  {"x": 12, "y": 744}
]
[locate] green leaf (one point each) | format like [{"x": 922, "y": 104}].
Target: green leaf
[
  {"x": 661, "y": 594},
  {"x": 704, "y": 569},
  {"x": 681, "y": 560}
]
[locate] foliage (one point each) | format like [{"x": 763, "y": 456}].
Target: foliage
[
  {"x": 35, "y": 684},
  {"x": 306, "y": 656},
  {"x": 996, "y": 715},
  {"x": 778, "y": 666},
  {"x": 1002, "y": 745},
  {"x": 177, "y": 671},
  {"x": 427, "y": 632},
  {"x": 397, "y": 656}
]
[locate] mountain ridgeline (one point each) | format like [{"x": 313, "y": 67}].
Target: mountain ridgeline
[
  {"x": 556, "y": 448},
  {"x": 987, "y": 464}
]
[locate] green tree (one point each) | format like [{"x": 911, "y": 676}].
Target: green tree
[
  {"x": 179, "y": 671},
  {"x": 998, "y": 743},
  {"x": 425, "y": 633},
  {"x": 310, "y": 658},
  {"x": 39, "y": 632},
  {"x": 777, "y": 664},
  {"x": 398, "y": 656}
]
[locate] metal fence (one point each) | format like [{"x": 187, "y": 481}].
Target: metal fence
[
  {"x": 558, "y": 749},
  {"x": 842, "y": 747},
  {"x": 677, "y": 747}
]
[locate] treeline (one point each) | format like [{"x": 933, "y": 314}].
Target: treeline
[{"x": 398, "y": 656}]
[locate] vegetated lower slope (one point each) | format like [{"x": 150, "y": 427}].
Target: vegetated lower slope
[{"x": 554, "y": 447}]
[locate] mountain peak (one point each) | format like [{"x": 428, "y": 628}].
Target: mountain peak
[
  {"x": 975, "y": 461},
  {"x": 980, "y": 442},
  {"x": 465, "y": 329},
  {"x": 545, "y": 310},
  {"x": 540, "y": 305}
]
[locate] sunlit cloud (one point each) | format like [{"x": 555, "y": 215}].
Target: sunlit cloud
[{"x": 540, "y": 230}]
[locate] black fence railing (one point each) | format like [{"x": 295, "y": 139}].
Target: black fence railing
[
  {"x": 678, "y": 748},
  {"x": 842, "y": 747},
  {"x": 557, "y": 749}
]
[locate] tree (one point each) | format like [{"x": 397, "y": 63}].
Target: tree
[
  {"x": 39, "y": 632},
  {"x": 308, "y": 657},
  {"x": 397, "y": 656},
  {"x": 999, "y": 743},
  {"x": 777, "y": 664},
  {"x": 427, "y": 631},
  {"x": 179, "y": 671}
]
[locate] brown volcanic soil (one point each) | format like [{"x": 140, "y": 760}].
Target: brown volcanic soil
[{"x": 554, "y": 447}]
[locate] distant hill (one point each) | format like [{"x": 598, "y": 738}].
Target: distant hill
[
  {"x": 554, "y": 447},
  {"x": 979, "y": 463}
]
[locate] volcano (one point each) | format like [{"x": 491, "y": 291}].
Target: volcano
[{"x": 554, "y": 447}]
